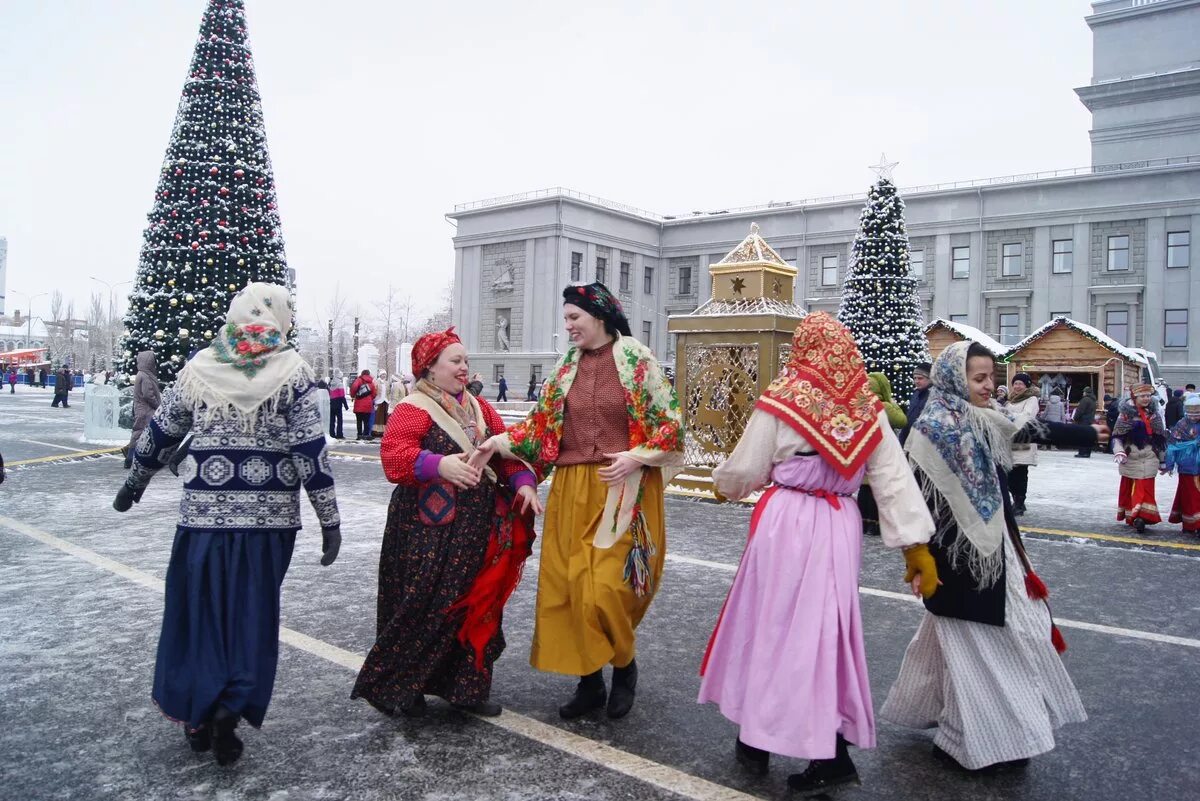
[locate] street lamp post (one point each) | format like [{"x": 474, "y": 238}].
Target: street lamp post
[
  {"x": 29, "y": 316},
  {"x": 112, "y": 340}
]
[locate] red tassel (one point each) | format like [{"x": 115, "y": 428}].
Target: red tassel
[
  {"x": 1035, "y": 588},
  {"x": 1056, "y": 637}
]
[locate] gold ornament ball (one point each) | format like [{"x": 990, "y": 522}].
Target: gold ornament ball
[
  {"x": 174, "y": 302},
  {"x": 241, "y": 262},
  {"x": 159, "y": 334},
  {"x": 209, "y": 262},
  {"x": 190, "y": 298},
  {"x": 203, "y": 279},
  {"x": 233, "y": 287}
]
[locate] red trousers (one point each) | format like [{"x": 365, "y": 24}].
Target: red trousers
[{"x": 1186, "y": 508}]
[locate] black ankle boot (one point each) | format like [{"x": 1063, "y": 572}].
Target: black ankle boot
[
  {"x": 487, "y": 709},
  {"x": 589, "y": 694},
  {"x": 624, "y": 689},
  {"x": 754, "y": 760},
  {"x": 226, "y": 745},
  {"x": 199, "y": 739},
  {"x": 822, "y": 775}
]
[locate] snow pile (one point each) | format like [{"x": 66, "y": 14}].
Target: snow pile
[
  {"x": 971, "y": 334},
  {"x": 1088, "y": 331}
]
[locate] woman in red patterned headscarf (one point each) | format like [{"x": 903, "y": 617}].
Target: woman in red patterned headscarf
[
  {"x": 786, "y": 661},
  {"x": 455, "y": 541}
]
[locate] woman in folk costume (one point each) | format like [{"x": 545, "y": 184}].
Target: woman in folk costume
[
  {"x": 983, "y": 666},
  {"x": 1139, "y": 444},
  {"x": 786, "y": 660},
  {"x": 453, "y": 546},
  {"x": 609, "y": 426},
  {"x": 250, "y": 402},
  {"x": 1183, "y": 454},
  {"x": 881, "y": 387}
]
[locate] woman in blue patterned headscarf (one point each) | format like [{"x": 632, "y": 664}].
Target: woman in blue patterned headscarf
[{"x": 990, "y": 612}]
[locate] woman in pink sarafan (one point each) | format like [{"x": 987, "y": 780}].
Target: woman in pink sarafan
[{"x": 786, "y": 660}]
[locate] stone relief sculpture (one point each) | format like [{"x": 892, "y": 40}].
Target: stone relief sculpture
[
  {"x": 502, "y": 332},
  {"x": 504, "y": 278}
]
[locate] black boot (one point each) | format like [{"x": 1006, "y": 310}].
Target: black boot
[
  {"x": 199, "y": 739},
  {"x": 487, "y": 709},
  {"x": 589, "y": 694},
  {"x": 624, "y": 689},
  {"x": 822, "y": 775},
  {"x": 226, "y": 745},
  {"x": 1019, "y": 507},
  {"x": 754, "y": 760},
  {"x": 415, "y": 708}
]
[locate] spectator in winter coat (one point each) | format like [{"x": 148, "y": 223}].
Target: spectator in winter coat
[
  {"x": 1174, "y": 410},
  {"x": 1023, "y": 406},
  {"x": 882, "y": 388},
  {"x": 62, "y": 385},
  {"x": 363, "y": 392},
  {"x": 916, "y": 404},
  {"x": 12, "y": 380},
  {"x": 337, "y": 404},
  {"x": 1002, "y": 396},
  {"x": 146, "y": 398},
  {"x": 1056, "y": 409},
  {"x": 531, "y": 393},
  {"x": 502, "y": 395},
  {"x": 1085, "y": 414}
]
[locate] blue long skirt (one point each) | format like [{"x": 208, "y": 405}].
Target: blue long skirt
[{"x": 220, "y": 630}]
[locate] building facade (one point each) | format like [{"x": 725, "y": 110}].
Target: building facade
[
  {"x": 1110, "y": 244},
  {"x": 3, "y": 275}
]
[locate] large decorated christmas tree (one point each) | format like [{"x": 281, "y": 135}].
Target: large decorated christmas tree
[
  {"x": 214, "y": 225},
  {"x": 880, "y": 304}
]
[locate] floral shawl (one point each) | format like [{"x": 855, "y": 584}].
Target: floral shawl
[
  {"x": 824, "y": 394},
  {"x": 655, "y": 440},
  {"x": 958, "y": 447}
]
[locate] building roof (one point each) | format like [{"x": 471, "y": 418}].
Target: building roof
[
  {"x": 970, "y": 333},
  {"x": 754, "y": 250},
  {"x": 1094, "y": 334}
]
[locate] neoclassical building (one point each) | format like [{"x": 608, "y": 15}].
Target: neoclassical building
[{"x": 1110, "y": 244}]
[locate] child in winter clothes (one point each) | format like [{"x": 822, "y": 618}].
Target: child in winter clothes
[
  {"x": 1139, "y": 448},
  {"x": 1183, "y": 454}
]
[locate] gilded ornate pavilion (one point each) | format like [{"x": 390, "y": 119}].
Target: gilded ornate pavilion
[{"x": 729, "y": 349}]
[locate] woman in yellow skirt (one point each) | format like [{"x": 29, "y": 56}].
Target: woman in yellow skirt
[{"x": 609, "y": 426}]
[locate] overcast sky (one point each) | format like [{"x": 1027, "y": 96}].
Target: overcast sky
[{"x": 381, "y": 115}]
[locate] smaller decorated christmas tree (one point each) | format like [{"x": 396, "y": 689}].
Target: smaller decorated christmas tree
[{"x": 880, "y": 304}]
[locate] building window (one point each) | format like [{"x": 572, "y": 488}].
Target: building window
[
  {"x": 1010, "y": 328},
  {"x": 648, "y": 280},
  {"x": 576, "y": 265},
  {"x": 1179, "y": 246},
  {"x": 958, "y": 318},
  {"x": 624, "y": 276},
  {"x": 685, "y": 280},
  {"x": 916, "y": 263},
  {"x": 961, "y": 258},
  {"x": 1118, "y": 253},
  {"x": 647, "y": 330},
  {"x": 1116, "y": 325},
  {"x": 497, "y": 373},
  {"x": 601, "y": 268},
  {"x": 1064, "y": 255},
  {"x": 1175, "y": 334},
  {"x": 1010, "y": 259},
  {"x": 829, "y": 270}
]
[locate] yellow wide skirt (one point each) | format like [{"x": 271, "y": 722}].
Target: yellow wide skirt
[{"x": 586, "y": 611}]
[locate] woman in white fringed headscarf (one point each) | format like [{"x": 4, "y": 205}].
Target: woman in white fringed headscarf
[
  {"x": 250, "y": 402},
  {"x": 983, "y": 666}
]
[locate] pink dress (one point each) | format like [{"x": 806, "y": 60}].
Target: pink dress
[{"x": 787, "y": 662}]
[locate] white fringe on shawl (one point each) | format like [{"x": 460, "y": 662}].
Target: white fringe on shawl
[{"x": 210, "y": 403}]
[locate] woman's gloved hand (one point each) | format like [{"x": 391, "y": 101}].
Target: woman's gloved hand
[
  {"x": 331, "y": 543},
  {"x": 922, "y": 570},
  {"x": 126, "y": 498}
]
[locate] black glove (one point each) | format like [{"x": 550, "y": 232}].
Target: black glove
[
  {"x": 126, "y": 498},
  {"x": 331, "y": 543}
]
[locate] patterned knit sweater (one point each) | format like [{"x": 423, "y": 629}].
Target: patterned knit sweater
[{"x": 240, "y": 481}]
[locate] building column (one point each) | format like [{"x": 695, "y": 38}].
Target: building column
[
  {"x": 1193, "y": 304},
  {"x": 1154, "y": 296},
  {"x": 527, "y": 300},
  {"x": 1039, "y": 305},
  {"x": 976, "y": 309},
  {"x": 1081, "y": 275},
  {"x": 941, "y": 276}
]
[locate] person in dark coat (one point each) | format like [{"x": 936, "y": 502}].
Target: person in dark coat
[
  {"x": 531, "y": 393},
  {"x": 1112, "y": 410},
  {"x": 1085, "y": 414},
  {"x": 1174, "y": 410},
  {"x": 916, "y": 403},
  {"x": 62, "y": 385},
  {"x": 337, "y": 404},
  {"x": 503, "y": 394}
]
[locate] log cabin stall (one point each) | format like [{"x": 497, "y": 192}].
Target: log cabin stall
[
  {"x": 942, "y": 333},
  {"x": 1071, "y": 355}
]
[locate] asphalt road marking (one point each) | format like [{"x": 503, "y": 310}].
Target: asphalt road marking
[
  {"x": 664, "y": 777},
  {"x": 66, "y": 457},
  {"x": 1135, "y": 634},
  {"x": 53, "y": 445}
]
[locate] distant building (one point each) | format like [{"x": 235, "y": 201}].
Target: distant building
[
  {"x": 3, "y": 275},
  {"x": 1108, "y": 245}
]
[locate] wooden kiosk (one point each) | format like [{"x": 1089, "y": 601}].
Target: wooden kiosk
[
  {"x": 942, "y": 333},
  {"x": 1083, "y": 355}
]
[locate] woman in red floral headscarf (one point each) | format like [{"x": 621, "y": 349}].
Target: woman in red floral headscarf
[{"x": 455, "y": 541}]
